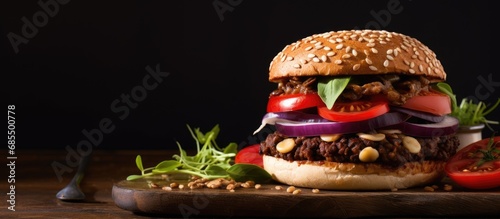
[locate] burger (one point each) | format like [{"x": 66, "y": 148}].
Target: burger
[{"x": 358, "y": 110}]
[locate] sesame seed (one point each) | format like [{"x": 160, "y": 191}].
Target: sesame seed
[
  {"x": 372, "y": 67},
  {"x": 338, "y": 62},
  {"x": 406, "y": 62},
  {"x": 429, "y": 70},
  {"x": 374, "y": 50},
  {"x": 339, "y": 40},
  {"x": 382, "y": 42},
  {"x": 421, "y": 68},
  {"x": 386, "y": 63},
  {"x": 339, "y": 46},
  {"x": 368, "y": 61},
  {"x": 370, "y": 44},
  {"x": 348, "y": 49},
  {"x": 366, "y": 52},
  {"x": 356, "y": 67},
  {"x": 318, "y": 46},
  {"x": 346, "y": 56},
  {"x": 389, "y": 51},
  {"x": 411, "y": 71},
  {"x": 390, "y": 57},
  {"x": 324, "y": 58},
  {"x": 289, "y": 58},
  {"x": 309, "y": 48},
  {"x": 303, "y": 61},
  {"x": 371, "y": 40},
  {"x": 327, "y": 48},
  {"x": 296, "y": 65},
  {"x": 315, "y": 59},
  {"x": 396, "y": 52},
  {"x": 330, "y": 54},
  {"x": 414, "y": 56},
  {"x": 310, "y": 55},
  {"x": 332, "y": 41},
  {"x": 412, "y": 64},
  {"x": 354, "y": 52},
  {"x": 283, "y": 58}
]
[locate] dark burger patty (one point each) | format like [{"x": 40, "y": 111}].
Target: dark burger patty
[{"x": 347, "y": 149}]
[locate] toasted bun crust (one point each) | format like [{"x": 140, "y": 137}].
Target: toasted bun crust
[
  {"x": 356, "y": 52},
  {"x": 350, "y": 176}
]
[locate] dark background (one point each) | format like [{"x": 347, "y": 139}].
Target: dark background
[{"x": 65, "y": 78}]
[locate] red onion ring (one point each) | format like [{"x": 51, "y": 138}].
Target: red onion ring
[{"x": 294, "y": 129}]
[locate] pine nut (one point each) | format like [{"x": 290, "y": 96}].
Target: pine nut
[
  {"x": 411, "y": 144},
  {"x": 372, "y": 137},
  {"x": 390, "y": 131},
  {"x": 368, "y": 154},
  {"x": 330, "y": 138},
  {"x": 286, "y": 145},
  {"x": 290, "y": 189}
]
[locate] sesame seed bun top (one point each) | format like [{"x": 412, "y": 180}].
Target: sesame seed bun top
[{"x": 356, "y": 52}]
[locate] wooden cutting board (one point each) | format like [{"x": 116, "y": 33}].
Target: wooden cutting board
[{"x": 137, "y": 196}]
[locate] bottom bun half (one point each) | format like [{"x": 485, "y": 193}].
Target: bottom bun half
[{"x": 352, "y": 176}]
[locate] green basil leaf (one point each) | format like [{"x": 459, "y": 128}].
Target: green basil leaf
[
  {"x": 244, "y": 172},
  {"x": 138, "y": 162},
  {"x": 329, "y": 89}
]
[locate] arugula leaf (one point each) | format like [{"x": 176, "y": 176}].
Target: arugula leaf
[{"x": 329, "y": 89}]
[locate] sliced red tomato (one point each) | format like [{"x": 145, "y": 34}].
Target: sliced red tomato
[
  {"x": 250, "y": 155},
  {"x": 467, "y": 169},
  {"x": 291, "y": 102},
  {"x": 432, "y": 102},
  {"x": 355, "y": 110}
]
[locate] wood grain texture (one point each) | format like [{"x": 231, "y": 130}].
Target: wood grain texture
[{"x": 136, "y": 196}]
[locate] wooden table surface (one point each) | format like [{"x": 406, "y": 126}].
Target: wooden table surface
[{"x": 37, "y": 184}]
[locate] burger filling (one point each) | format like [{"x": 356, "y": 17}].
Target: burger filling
[
  {"x": 397, "y": 88},
  {"x": 391, "y": 150}
]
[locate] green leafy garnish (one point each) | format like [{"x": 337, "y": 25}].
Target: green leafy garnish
[
  {"x": 244, "y": 172},
  {"x": 329, "y": 89},
  {"x": 210, "y": 161},
  {"x": 468, "y": 112},
  {"x": 490, "y": 154}
]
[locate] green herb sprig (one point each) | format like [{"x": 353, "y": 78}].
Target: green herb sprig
[
  {"x": 491, "y": 153},
  {"x": 468, "y": 112},
  {"x": 210, "y": 161}
]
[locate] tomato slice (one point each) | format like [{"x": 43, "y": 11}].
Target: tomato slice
[
  {"x": 291, "y": 102},
  {"x": 355, "y": 110},
  {"x": 463, "y": 169},
  {"x": 250, "y": 155},
  {"x": 432, "y": 102}
]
